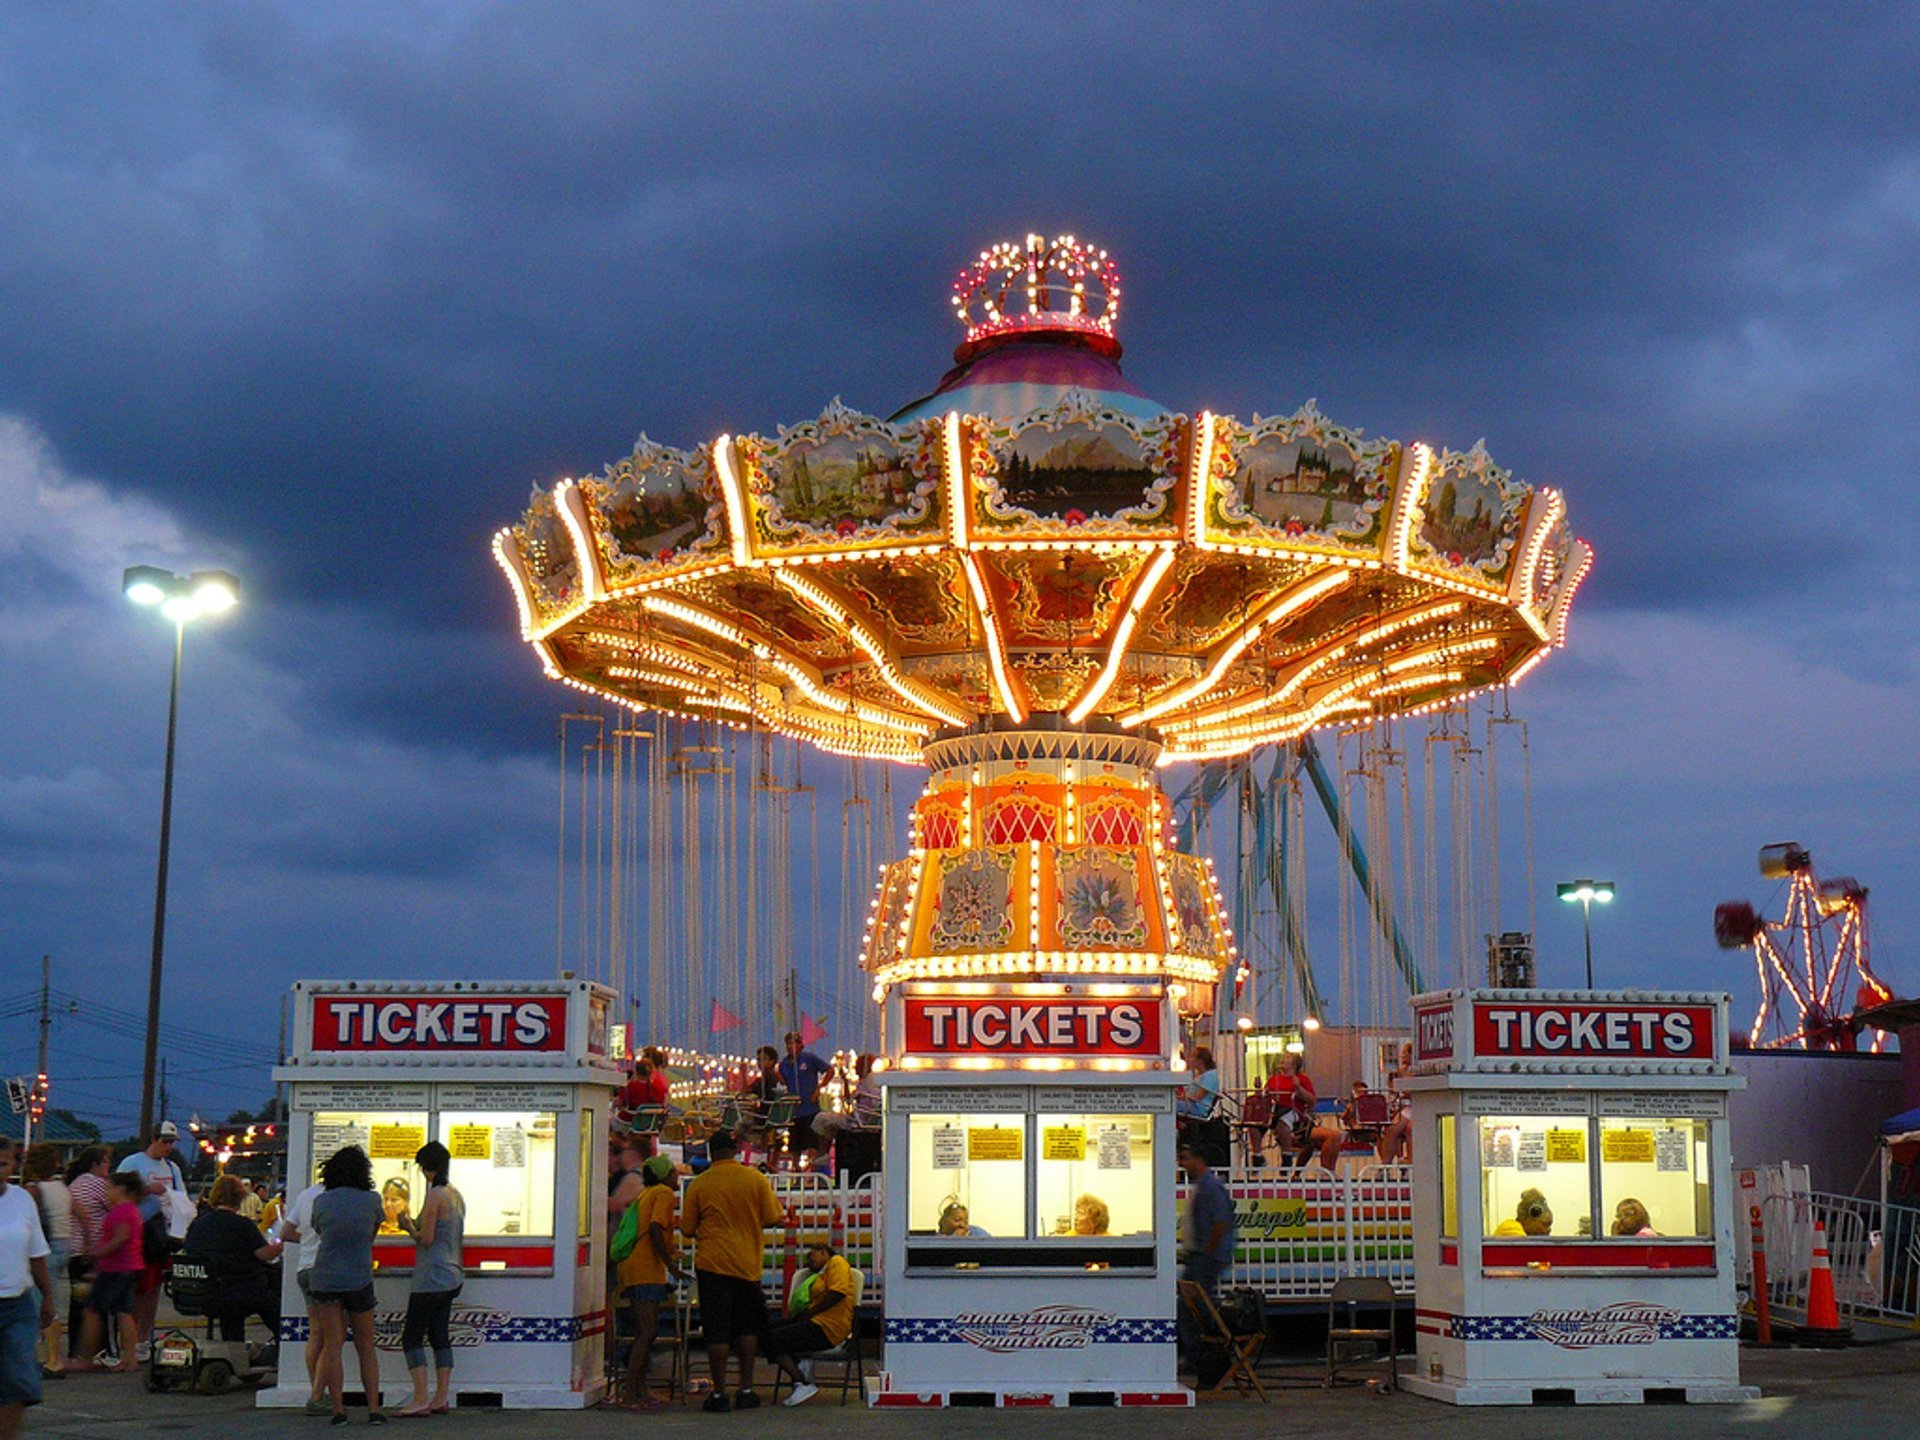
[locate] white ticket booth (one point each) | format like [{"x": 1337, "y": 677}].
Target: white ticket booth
[
  {"x": 1573, "y": 1212},
  {"x": 514, "y": 1078},
  {"x": 1028, "y": 1196}
]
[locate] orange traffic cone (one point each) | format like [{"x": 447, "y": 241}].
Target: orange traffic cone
[{"x": 1823, "y": 1325}]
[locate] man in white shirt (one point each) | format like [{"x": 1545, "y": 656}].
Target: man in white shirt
[
  {"x": 297, "y": 1224},
  {"x": 26, "y": 1290},
  {"x": 161, "y": 1171}
]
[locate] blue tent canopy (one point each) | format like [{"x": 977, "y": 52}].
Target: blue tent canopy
[{"x": 1907, "y": 1122}]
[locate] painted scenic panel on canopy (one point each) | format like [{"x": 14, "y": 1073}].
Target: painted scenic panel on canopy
[
  {"x": 921, "y": 602},
  {"x": 547, "y": 550},
  {"x": 1469, "y": 519},
  {"x": 1100, "y": 899},
  {"x": 776, "y": 612},
  {"x": 973, "y": 902},
  {"x": 1213, "y": 596},
  {"x": 1303, "y": 480},
  {"x": 844, "y": 477},
  {"x": 1073, "y": 469},
  {"x": 895, "y": 891},
  {"x": 1186, "y": 887},
  {"x": 1065, "y": 595},
  {"x": 655, "y": 507}
]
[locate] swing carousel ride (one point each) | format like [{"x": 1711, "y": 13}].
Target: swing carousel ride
[{"x": 1045, "y": 587}]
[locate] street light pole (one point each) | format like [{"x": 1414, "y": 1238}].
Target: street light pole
[
  {"x": 181, "y": 599},
  {"x": 149, "y": 1064},
  {"x": 1586, "y": 892}
]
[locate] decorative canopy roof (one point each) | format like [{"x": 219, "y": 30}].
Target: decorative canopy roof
[{"x": 1035, "y": 537}]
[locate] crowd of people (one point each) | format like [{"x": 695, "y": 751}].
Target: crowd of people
[
  {"x": 83, "y": 1249},
  {"x": 1282, "y": 1122},
  {"x": 725, "y": 1211},
  {"x": 775, "y": 1113}
]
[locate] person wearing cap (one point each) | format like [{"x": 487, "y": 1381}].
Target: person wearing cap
[
  {"x": 156, "y": 1166},
  {"x": 726, "y": 1213},
  {"x": 820, "y": 1316},
  {"x": 647, "y": 1276}
]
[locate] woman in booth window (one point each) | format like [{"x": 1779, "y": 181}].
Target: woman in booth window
[{"x": 396, "y": 1196}]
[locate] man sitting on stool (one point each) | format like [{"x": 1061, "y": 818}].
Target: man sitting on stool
[{"x": 821, "y": 1311}]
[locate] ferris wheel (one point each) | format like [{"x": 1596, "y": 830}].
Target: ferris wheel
[{"x": 1813, "y": 962}]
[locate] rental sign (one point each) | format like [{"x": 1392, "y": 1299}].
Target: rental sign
[
  {"x": 1039, "y": 1025},
  {"x": 446, "y": 1024}
]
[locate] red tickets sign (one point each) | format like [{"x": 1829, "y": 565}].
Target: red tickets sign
[
  {"x": 1433, "y": 1033},
  {"x": 453, "y": 1024},
  {"x": 1010, "y": 1025},
  {"x": 1593, "y": 1032}
]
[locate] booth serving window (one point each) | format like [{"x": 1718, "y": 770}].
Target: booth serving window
[
  {"x": 968, "y": 1175},
  {"x": 1094, "y": 1175},
  {"x": 1592, "y": 1177},
  {"x": 1653, "y": 1173},
  {"x": 503, "y": 1166},
  {"x": 1041, "y": 1186},
  {"x": 1449, "y": 1179},
  {"x": 1535, "y": 1176},
  {"x": 390, "y": 1137}
]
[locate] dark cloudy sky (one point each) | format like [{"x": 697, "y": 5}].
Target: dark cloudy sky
[{"x": 317, "y": 292}]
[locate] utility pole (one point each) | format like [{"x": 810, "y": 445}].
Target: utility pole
[
  {"x": 37, "y": 1104},
  {"x": 163, "y": 1100}
]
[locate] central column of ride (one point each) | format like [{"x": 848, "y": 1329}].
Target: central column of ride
[{"x": 1035, "y": 955}]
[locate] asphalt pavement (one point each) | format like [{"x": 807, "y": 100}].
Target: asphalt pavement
[{"x": 1867, "y": 1393}]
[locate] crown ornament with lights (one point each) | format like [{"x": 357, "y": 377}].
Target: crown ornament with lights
[{"x": 1059, "y": 285}]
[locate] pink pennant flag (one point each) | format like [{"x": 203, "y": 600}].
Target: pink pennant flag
[
  {"x": 722, "y": 1019},
  {"x": 811, "y": 1029}
]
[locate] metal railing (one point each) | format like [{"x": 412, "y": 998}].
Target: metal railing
[
  {"x": 1873, "y": 1250},
  {"x": 1298, "y": 1230}
]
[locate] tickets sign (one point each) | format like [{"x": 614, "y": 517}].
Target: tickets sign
[
  {"x": 1046, "y": 1025},
  {"x": 448, "y": 1024},
  {"x": 1578, "y": 1031}
]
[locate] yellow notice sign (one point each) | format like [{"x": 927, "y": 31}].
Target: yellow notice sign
[
  {"x": 996, "y": 1144},
  {"x": 396, "y": 1142},
  {"x": 470, "y": 1142},
  {"x": 1626, "y": 1147},
  {"x": 1566, "y": 1147},
  {"x": 1063, "y": 1142}
]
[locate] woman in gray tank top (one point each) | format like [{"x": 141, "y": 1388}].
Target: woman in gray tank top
[{"x": 437, "y": 1233}]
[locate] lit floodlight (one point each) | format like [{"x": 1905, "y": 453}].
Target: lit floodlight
[
  {"x": 145, "y": 584},
  {"x": 214, "y": 591}
]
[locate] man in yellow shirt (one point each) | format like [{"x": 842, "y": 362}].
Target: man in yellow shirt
[
  {"x": 726, "y": 1213},
  {"x": 643, "y": 1276},
  {"x": 822, "y": 1319}
]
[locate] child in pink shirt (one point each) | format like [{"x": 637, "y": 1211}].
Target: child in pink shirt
[{"x": 118, "y": 1262}]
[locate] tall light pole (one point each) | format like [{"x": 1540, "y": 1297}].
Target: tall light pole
[
  {"x": 181, "y": 599},
  {"x": 1587, "y": 893}
]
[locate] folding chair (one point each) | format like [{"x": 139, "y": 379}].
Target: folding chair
[
  {"x": 1240, "y": 1349},
  {"x": 1355, "y": 1292},
  {"x": 1256, "y": 1118},
  {"x": 850, "y": 1354}
]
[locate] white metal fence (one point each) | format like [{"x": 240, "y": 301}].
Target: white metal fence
[
  {"x": 1873, "y": 1249},
  {"x": 1298, "y": 1230}
]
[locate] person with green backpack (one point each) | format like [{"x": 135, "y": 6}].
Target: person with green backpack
[{"x": 646, "y": 1259}]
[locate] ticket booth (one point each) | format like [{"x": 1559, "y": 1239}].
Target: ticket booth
[
  {"x": 1573, "y": 1212},
  {"x": 515, "y": 1079},
  {"x": 1028, "y": 1193}
]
